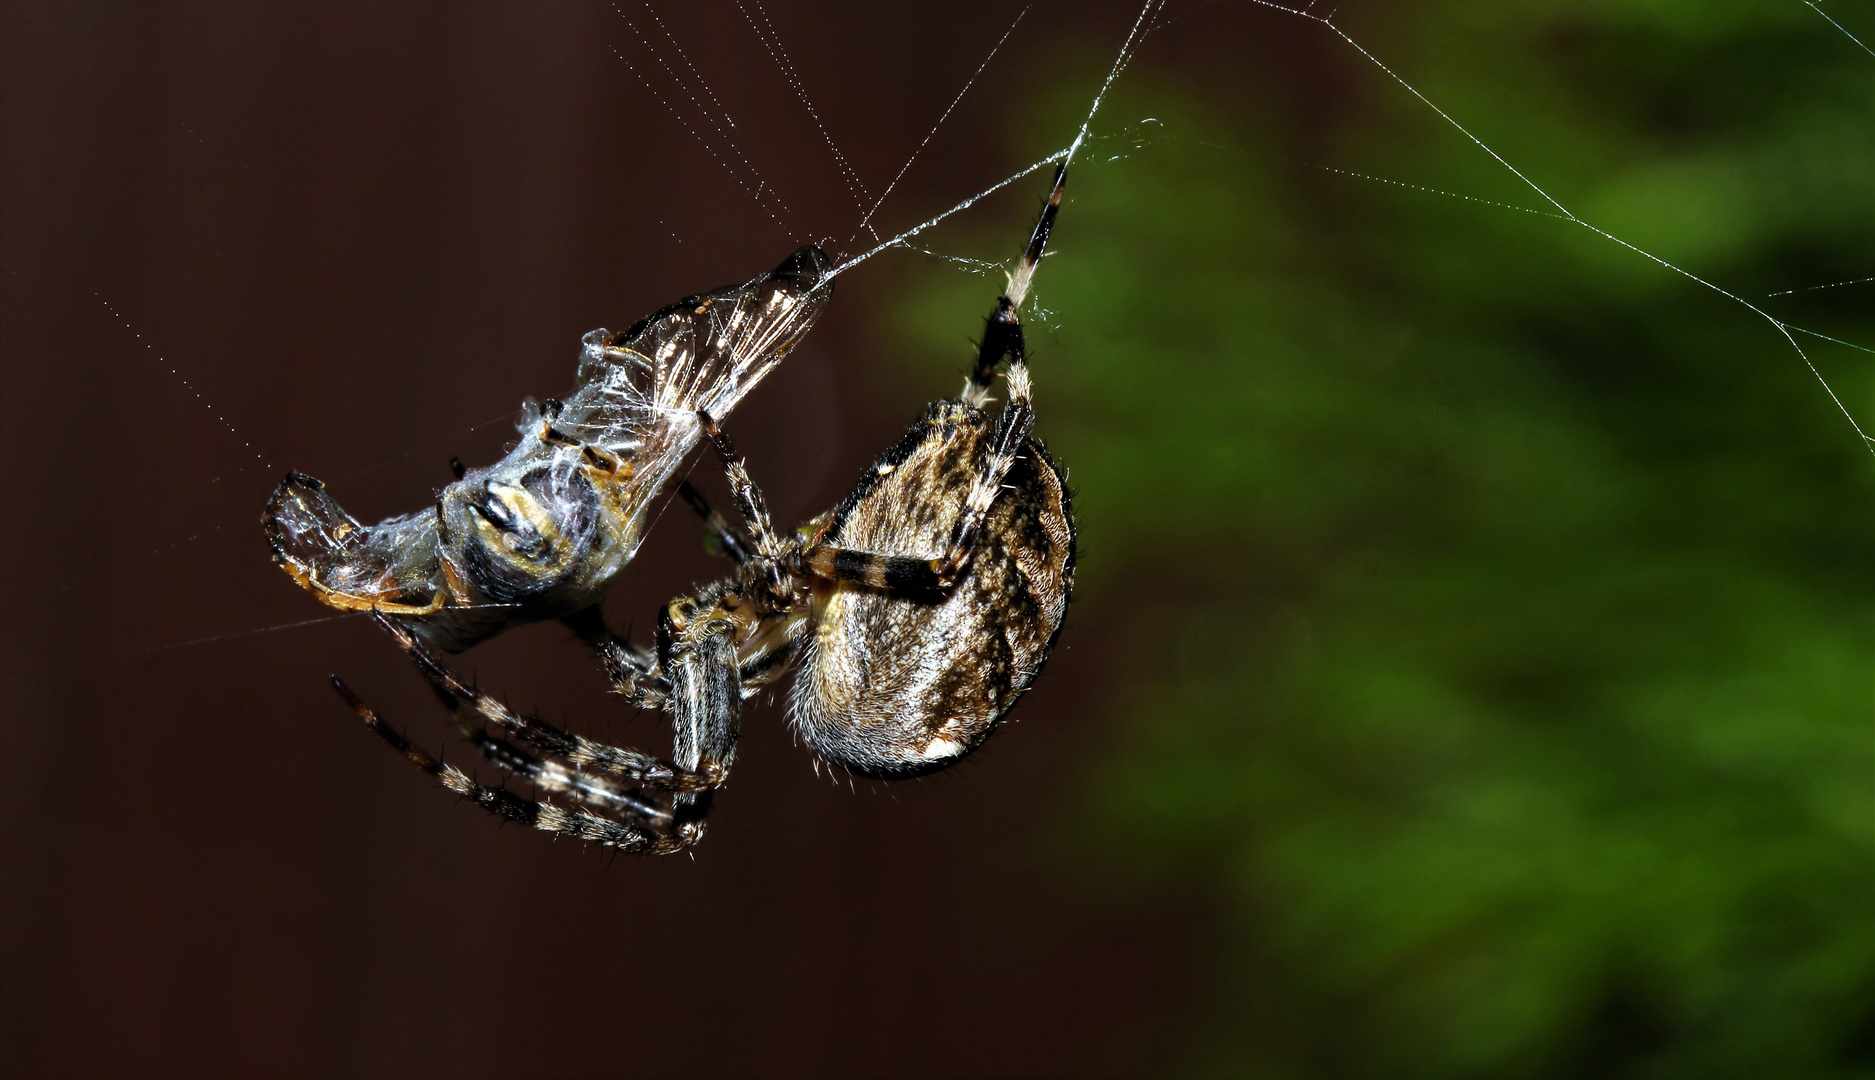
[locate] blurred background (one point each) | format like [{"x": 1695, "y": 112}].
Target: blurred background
[{"x": 1471, "y": 670}]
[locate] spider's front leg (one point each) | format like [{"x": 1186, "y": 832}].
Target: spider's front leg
[
  {"x": 697, "y": 650},
  {"x": 723, "y": 540},
  {"x": 637, "y": 673},
  {"x": 631, "y": 801},
  {"x": 654, "y": 837},
  {"x": 474, "y": 710},
  {"x": 633, "y": 671},
  {"x": 766, "y": 603},
  {"x": 766, "y": 576}
]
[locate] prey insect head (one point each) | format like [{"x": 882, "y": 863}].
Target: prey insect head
[{"x": 527, "y": 537}]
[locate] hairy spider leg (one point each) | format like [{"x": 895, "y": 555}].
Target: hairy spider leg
[
  {"x": 698, "y": 650},
  {"x": 900, "y": 573},
  {"x": 766, "y": 578},
  {"x": 910, "y": 576},
  {"x": 750, "y": 502},
  {"x": 632, "y": 671},
  {"x": 555, "y": 777},
  {"x": 931, "y": 579},
  {"x": 1012, "y": 434},
  {"x": 723, "y": 539},
  {"x": 698, "y": 655},
  {"x": 579, "y": 823},
  {"x": 639, "y": 675},
  {"x": 1002, "y": 334},
  {"x": 472, "y": 709}
]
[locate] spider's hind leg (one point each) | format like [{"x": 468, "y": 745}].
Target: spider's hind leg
[
  {"x": 1002, "y": 332},
  {"x": 1006, "y": 443},
  {"x": 1002, "y": 337}
]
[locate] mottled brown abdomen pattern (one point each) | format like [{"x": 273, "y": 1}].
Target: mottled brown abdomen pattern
[{"x": 892, "y": 686}]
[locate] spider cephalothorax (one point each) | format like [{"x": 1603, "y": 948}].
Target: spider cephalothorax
[
  {"x": 544, "y": 531},
  {"x": 915, "y": 614}
]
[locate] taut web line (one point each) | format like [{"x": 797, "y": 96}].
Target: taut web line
[
  {"x": 866, "y": 222},
  {"x": 1782, "y": 327},
  {"x": 1065, "y": 157}
]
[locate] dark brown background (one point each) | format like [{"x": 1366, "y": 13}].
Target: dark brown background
[{"x": 242, "y": 238}]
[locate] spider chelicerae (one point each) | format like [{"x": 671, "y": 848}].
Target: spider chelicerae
[{"x": 915, "y": 614}]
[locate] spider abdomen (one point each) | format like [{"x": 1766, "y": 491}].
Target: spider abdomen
[{"x": 893, "y": 686}]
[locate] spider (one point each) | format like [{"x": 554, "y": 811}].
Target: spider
[
  {"x": 917, "y": 612},
  {"x": 544, "y": 531}
]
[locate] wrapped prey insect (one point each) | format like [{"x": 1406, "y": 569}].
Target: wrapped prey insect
[{"x": 543, "y": 532}]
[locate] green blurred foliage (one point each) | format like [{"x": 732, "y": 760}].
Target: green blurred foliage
[{"x": 1489, "y": 607}]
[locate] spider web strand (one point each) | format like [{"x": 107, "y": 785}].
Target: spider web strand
[
  {"x": 772, "y": 42},
  {"x": 1839, "y": 26},
  {"x": 865, "y": 223},
  {"x": 1784, "y": 329}
]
